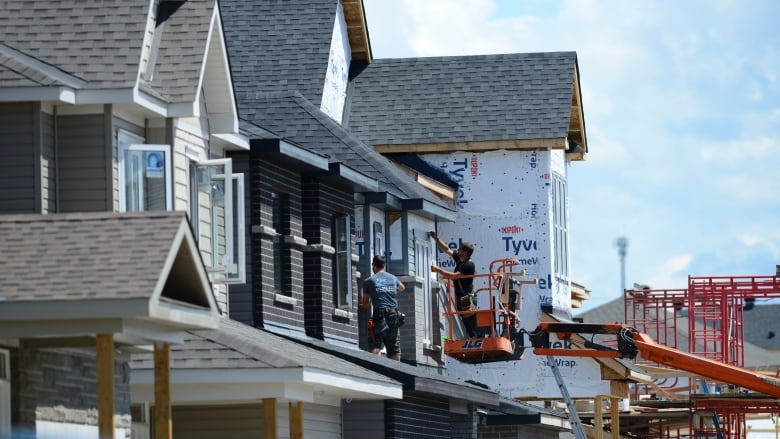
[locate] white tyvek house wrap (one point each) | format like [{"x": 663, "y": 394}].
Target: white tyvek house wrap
[
  {"x": 505, "y": 209},
  {"x": 334, "y": 91}
]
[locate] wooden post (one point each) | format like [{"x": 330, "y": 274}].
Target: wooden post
[
  {"x": 269, "y": 419},
  {"x": 163, "y": 428},
  {"x": 104, "y": 345},
  {"x": 296, "y": 420},
  {"x": 598, "y": 420}
]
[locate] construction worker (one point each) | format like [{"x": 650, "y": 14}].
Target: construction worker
[
  {"x": 382, "y": 288},
  {"x": 464, "y": 286}
]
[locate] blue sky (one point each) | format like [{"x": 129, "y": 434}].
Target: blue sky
[{"x": 682, "y": 110}]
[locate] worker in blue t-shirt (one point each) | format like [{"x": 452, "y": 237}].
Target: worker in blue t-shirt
[{"x": 382, "y": 288}]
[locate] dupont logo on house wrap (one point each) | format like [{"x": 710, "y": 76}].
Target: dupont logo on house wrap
[{"x": 474, "y": 166}]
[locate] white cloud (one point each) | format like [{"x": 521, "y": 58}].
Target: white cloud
[{"x": 681, "y": 109}]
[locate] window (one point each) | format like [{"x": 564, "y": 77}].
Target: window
[
  {"x": 279, "y": 215},
  {"x": 217, "y": 214},
  {"x": 422, "y": 267},
  {"x": 144, "y": 175},
  {"x": 561, "y": 226},
  {"x": 342, "y": 262},
  {"x": 379, "y": 239}
]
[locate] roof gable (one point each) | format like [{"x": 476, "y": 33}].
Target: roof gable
[
  {"x": 106, "y": 267},
  {"x": 279, "y": 46},
  {"x": 473, "y": 103},
  {"x": 191, "y": 65}
]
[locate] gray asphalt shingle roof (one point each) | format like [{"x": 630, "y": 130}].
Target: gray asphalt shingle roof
[
  {"x": 762, "y": 326},
  {"x": 293, "y": 117},
  {"x": 235, "y": 345},
  {"x": 102, "y": 43},
  {"x": 279, "y": 45},
  {"x": 99, "y": 42},
  {"x": 463, "y": 98},
  {"x": 183, "y": 51},
  {"x": 71, "y": 257}
]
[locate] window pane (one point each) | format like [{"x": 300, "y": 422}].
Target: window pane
[
  {"x": 342, "y": 262},
  {"x": 143, "y": 177},
  {"x": 278, "y": 207},
  {"x": 215, "y": 217}
]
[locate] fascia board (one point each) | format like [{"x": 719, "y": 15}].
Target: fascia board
[
  {"x": 361, "y": 180},
  {"x": 184, "y": 109},
  {"x": 295, "y": 382},
  {"x": 38, "y": 94},
  {"x": 388, "y": 200},
  {"x": 291, "y": 151},
  {"x": 128, "y": 331},
  {"x": 69, "y": 310},
  {"x": 106, "y": 96},
  {"x": 425, "y": 206},
  {"x": 240, "y": 141},
  {"x": 457, "y": 391},
  {"x": 347, "y": 382},
  {"x": 151, "y": 103},
  {"x": 123, "y": 96},
  {"x": 183, "y": 316}
]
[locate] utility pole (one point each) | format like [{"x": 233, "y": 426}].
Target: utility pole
[{"x": 622, "y": 245}]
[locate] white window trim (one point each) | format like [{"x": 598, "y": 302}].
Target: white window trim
[
  {"x": 128, "y": 142},
  {"x": 233, "y": 269},
  {"x": 422, "y": 267}
]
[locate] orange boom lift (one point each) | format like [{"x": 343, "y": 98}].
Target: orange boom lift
[{"x": 631, "y": 342}]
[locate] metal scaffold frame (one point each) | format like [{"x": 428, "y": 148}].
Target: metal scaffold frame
[{"x": 715, "y": 321}]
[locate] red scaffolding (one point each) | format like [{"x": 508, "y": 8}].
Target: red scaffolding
[{"x": 714, "y": 309}]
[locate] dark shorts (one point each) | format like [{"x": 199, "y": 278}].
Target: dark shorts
[
  {"x": 391, "y": 339},
  {"x": 386, "y": 331}
]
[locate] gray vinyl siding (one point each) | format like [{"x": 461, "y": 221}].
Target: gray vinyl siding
[
  {"x": 48, "y": 165},
  {"x": 321, "y": 421},
  {"x": 364, "y": 419},
  {"x": 243, "y": 421},
  {"x": 17, "y": 158},
  {"x": 82, "y": 155}
]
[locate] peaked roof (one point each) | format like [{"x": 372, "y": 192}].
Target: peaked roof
[
  {"x": 103, "y": 46},
  {"x": 255, "y": 358},
  {"x": 182, "y": 50},
  {"x": 142, "y": 267},
  {"x": 292, "y": 116},
  {"x": 278, "y": 46},
  {"x": 493, "y": 99}
]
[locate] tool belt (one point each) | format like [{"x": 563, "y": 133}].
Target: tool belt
[
  {"x": 466, "y": 303},
  {"x": 385, "y": 319}
]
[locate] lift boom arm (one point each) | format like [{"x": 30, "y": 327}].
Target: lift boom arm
[{"x": 631, "y": 342}]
